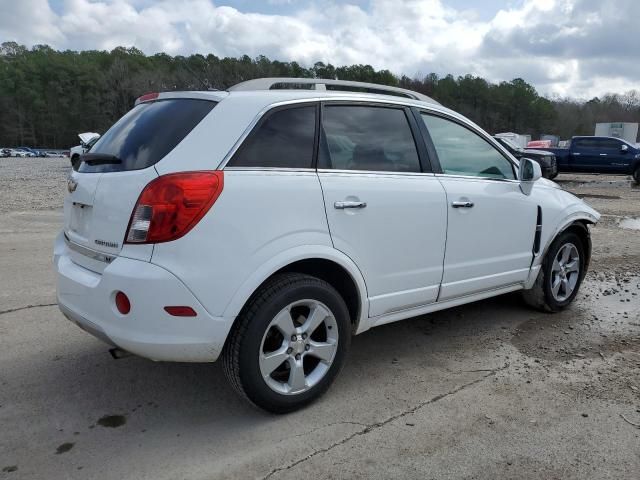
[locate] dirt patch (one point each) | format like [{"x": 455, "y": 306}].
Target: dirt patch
[
  {"x": 64, "y": 448},
  {"x": 112, "y": 421}
]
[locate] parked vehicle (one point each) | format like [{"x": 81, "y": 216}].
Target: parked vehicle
[
  {"x": 599, "y": 155},
  {"x": 5, "y": 152},
  {"x": 267, "y": 226},
  {"x": 539, "y": 144},
  {"x": 547, "y": 160},
  {"x": 87, "y": 140},
  {"x": 27, "y": 151},
  {"x": 19, "y": 153}
]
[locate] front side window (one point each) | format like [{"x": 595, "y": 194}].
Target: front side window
[
  {"x": 283, "y": 140},
  {"x": 610, "y": 145},
  {"x": 356, "y": 137},
  {"x": 463, "y": 152}
]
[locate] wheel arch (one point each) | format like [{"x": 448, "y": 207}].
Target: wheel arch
[
  {"x": 578, "y": 223},
  {"x": 325, "y": 263},
  {"x": 579, "y": 226}
]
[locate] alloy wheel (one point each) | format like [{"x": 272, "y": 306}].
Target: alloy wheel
[
  {"x": 565, "y": 272},
  {"x": 298, "y": 347}
]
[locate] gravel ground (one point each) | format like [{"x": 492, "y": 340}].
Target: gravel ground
[
  {"x": 32, "y": 183},
  {"x": 484, "y": 391}
]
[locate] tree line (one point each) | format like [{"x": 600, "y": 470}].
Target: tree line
[{"x": 48, "y": 96}]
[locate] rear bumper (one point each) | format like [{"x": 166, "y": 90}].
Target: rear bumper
[{"x": 87, "y": 299}]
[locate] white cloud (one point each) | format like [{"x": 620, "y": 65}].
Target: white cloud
[{"x": 565, "y": 47}]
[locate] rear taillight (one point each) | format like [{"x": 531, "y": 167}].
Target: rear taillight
[{"x": 173, "y": 204}]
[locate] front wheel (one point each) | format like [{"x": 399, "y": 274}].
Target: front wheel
[
  {"x": 289, "y": 343},
  {"x": 636, "y": 175},
  {"x": 560, "y": 276}
]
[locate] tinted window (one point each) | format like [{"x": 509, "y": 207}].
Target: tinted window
[
  {"x": 463, "y": 152},
  {"x": 284, "y": 139},
  {"x": 367, "y": 138},
  {"x": 609, "y": 144},
  {"x": 586, "y": 143},
  {"x": 147, "y": 133}
]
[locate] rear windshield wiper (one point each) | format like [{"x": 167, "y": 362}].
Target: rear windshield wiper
[{"x": 100, "y": 159}]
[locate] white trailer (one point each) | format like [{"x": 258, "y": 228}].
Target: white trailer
[
  {"x": 518, "y": 139},
  {"x": 624, "y": 130}
]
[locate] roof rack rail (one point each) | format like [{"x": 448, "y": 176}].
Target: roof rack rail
[{"x": 287, "y": 83}]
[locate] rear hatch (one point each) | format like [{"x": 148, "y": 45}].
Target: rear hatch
[{"x": 105, "y": 186}]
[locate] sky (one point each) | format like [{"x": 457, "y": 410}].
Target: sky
[{"x": 566, "y": 48}]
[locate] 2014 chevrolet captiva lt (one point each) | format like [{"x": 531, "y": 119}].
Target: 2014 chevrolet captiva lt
[{"x": 268, "y": 224}]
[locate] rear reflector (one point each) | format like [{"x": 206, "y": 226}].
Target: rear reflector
[
  {"x": 180, "y": 311},
  {"x": 122, "y": 303},
  {"x": 173, "y": 204}
]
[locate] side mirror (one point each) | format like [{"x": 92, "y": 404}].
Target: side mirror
[
  {"x": 624, "y": 148},
  {"x": 528, "y": 173}
]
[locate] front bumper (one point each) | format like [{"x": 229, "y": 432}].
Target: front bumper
[
  {"x": 549, "y": 171},
  {"x": 87, "y": 298}
]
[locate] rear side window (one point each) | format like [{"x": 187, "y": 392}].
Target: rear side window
[
  {"x": 367, "y": 138},
  {"x": 284, "y": 139},
  {"x": 586, "y": 143},
  {"x": 147, "y": 133}
]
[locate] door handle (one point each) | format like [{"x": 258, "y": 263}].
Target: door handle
[
  {"x": 343, "y": 205},
  {"x": 603, "y": 154},
  {"x": 462, "y": 204}
]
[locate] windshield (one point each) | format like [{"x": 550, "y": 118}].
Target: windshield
[{"x": 147, "y": 133}]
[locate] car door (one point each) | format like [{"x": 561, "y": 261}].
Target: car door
[
  {"x": 587, "y": 156},
  {"x": 491, "y": 222},
  {"x": 384, "y": 211},
  {"x": 615, "y": 159}
]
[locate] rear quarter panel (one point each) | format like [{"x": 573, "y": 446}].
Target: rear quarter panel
[{"x": 259, "y": 216}]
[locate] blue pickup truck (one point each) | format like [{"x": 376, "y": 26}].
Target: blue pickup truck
[{"x": 599, "y": 155}]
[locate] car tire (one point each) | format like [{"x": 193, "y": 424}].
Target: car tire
[
  {"x": 551, "y": 177},
  {"x": 560, "y": 276},
  {"x": 300, "y": 320},
  {"x": 636, "y": 175}
]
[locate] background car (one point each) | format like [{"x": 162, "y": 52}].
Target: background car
[
  {"x": 31, "y": 152},
  {"x": 547, "y": 160},
  {"x": 87, "y": 140},
  {"x": 19, "y": 153},
  {"x": 599, "y": 155}
]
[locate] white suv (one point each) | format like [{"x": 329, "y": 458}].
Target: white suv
[{"x": 268, "y": 224}]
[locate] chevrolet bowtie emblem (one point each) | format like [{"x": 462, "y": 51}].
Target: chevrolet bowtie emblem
[{"x": 72, "y": 185}]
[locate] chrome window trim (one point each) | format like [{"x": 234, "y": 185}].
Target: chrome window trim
[
  {"x": 474, "y": 177},
  {"x": 400, "y": 102},
  {"x": 375, "y": 172},
  {"x": 270, "y": 169}
]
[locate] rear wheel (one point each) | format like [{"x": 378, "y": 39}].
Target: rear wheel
[
  {"x": 289, "y": 343},
  {"x": 636, "y": 175},
  {"x": 560, "y": 276}
]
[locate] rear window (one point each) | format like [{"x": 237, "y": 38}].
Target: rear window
[{"x": 147, "y": 133}]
